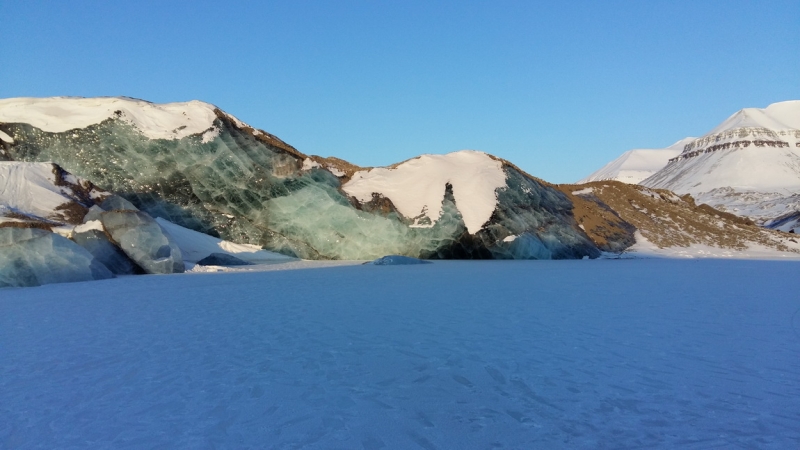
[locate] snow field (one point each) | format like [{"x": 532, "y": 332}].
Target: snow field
[
  {"x": 455, "y": 354},
  {"x": 417, "y": 186}
]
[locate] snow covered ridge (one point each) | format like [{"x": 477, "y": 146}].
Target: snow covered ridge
[
  {"x": 417, "y": 187},
  {"x": 156, "y": 121},
  {"x": 634, "y": 166},
  {"x": 776, "y": 126}
]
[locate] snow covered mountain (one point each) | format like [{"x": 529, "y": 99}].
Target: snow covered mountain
[
  {"x": 195, "y": 165},
  {"x": 749, "y": 165},
  {"x": 634, "y": 166}
]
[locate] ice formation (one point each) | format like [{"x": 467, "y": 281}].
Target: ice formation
[
  {"x": 32, "y": 257},
  {"x": 247, "y": 186},
  {"x": 140, "y": 237},
  {"x": 98, "y": 244},
  {"x": 222, "y": 259},
  {"x": 397, "y": 260}
]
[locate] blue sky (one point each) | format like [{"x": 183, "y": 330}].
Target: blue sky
[{"x": 559, "y": 88}]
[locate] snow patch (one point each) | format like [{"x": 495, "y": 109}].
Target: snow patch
[
  {"x": 585, "y": 191},
  {"x": 309, "y": 164},
  {"x": 417, "y": 187},
  {"x": 6, "y": 138},
  {"x": 646, "y": 249},
  {"x": 195, "y": 246},
  {"x": 156, "y": 121},
  {"x": 88, "y": 226}
]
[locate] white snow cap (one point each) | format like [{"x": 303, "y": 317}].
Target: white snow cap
[
  {"x": 417, "y": 186},
  {"x": 156, "y": 121},
  {"x": 634, "y": 166}
]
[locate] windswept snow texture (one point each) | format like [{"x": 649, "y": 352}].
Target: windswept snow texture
[
  {"x": 500, "y": 354},
  {"x": 417, "y": 186}
]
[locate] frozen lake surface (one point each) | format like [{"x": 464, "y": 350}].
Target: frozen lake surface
[{"x": 693, "y": 354}]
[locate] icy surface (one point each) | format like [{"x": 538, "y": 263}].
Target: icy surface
[
  {"x": 222, "y": 259},
  {"x": 195, "y": 246},
  {"x": 32, "y": 257},
  {"x": 156, "y": 121},
  {"x": 417, "y": 186},
  {"x": 503, "y": 354},
  {"x": 111, "y": 256},
  {"x": 143, "y": 240},
  {"x": 397, "y": 260}
]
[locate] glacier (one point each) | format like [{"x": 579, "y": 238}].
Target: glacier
[
  {"x": 143, "y": 240},
  {"x": 32, "y": 257},
  {"x": 226, "y": 179}
]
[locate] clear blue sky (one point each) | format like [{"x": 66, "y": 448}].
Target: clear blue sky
[{"x": 558, "y": 87}]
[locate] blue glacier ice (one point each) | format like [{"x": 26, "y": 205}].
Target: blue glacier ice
[
  {"x": 98, "y": 244},
  {"x": 143, "y": 240},
  {"x": 247, "y": 186},
  {"x": 32, "y": 257}
]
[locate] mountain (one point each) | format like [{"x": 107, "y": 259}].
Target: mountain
[
  {"x": 749, "y": 165},
  {"x": 201, "y": 168},
  {"x": 634, "y": 166}
]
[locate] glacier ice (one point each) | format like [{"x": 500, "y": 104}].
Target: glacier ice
[
  {"x": 143, "y": 240},
  {"x": 32, "y": 257},
  {"x": 117, "y": 203},
  {"x": 252, "y": 188},
  {"x": 98, "y": 244},
  {"x": 222, "y": 259}
]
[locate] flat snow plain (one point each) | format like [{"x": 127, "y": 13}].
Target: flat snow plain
[{"x": 647, "y": 353}]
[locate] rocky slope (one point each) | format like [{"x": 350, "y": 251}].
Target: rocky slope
[{"x": 614, "y": 213}]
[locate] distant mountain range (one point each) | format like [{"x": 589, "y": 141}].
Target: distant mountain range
[{"x": 749, "y": 165}]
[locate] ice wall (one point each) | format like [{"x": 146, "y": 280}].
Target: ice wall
[
  {"x": 32, "y": 257},
  {"x": 248, "y": 189}
]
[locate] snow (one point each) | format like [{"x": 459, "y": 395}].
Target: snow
[
  {"x": 336, "y": 172},
  {"x": 634, "y": 166},
  {"x": 777, "y": 116},
  {"x": 210, "y": 135},
  {"x": 309, "y": 164},
  {"x": 29, "y": 188},
  {"x": 6, "y": 138},
  {"x": 416, "y": 187},
  {"x": 88, "y": 226},
  {"x": 585, "y": 191},
  {"x": 498, "y": 354},
  {"x": 646, "y": 249},
  {"x": 195, "y": 246},
  {"x": 156, "y": 121}
]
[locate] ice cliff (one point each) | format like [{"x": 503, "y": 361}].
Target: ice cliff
[{"x": 201, "y": 168}]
